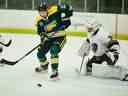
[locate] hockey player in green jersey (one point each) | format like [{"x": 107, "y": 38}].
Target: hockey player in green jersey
[{"x": 52, "y": 21}]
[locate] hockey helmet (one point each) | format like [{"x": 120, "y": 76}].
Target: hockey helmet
[{"x": 43, "y": 6}]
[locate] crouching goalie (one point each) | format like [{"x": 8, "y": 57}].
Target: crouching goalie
[
  {"x": 51, "y": 23},
  {"x": 105, "y": 52}
]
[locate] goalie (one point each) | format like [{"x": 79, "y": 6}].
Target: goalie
[{"x": 104, "y": 51}]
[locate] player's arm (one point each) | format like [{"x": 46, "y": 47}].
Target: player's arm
[
  {"x": 66, "y": 13},
  {"x": 42, "y": 31},
  {"x": 40, "y": 27},
  {"x": 114, "y": 48}
]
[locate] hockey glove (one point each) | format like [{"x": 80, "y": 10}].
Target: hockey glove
[
  {"x": 47, "y": 35},
  {"x": 50, "y": 35}
]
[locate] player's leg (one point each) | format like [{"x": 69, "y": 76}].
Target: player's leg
[
  {"x": 1, "y": 51},
  {"x": 94, "y": 59},
  {"x": 89, "y": 66},
  {"x": 118, "y": 71},
  {"x": 41, "y": 55},
  {"x": 110, "y": 71},
  {"x": 55, "y": 49},
  {"x": 110, "y": 58}
]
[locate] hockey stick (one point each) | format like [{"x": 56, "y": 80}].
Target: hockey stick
[
  {"x": 6, "y": 45},
  {"x": 79, "y": 70},
  {"x": 44, "y": 38},
  {"x": 4, "y": 61}
]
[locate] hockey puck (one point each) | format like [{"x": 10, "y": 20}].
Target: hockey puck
[{"x": 39, "y": 85}]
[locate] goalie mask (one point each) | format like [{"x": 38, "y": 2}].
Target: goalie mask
[{"x": 92, "y": 25}]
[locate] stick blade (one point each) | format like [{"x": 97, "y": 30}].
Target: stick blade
[
  {"x": 4, "y": 61},
  {"x": 9, "y": 43}
]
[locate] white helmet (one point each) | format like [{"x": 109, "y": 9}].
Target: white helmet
[{"x": 92, "y": 25}]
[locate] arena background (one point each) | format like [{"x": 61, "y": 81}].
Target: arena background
[{"x": 18, "y": 16}]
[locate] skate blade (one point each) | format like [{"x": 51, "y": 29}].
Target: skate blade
[{"x": 55, "y": 79}]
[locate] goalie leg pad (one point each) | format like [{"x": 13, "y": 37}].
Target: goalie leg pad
[{"x": 107, "y": 71}]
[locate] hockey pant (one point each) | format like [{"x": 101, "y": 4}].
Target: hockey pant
[
  {"x": 100, "y": 59},
  {"x": 55, "y": 46}
]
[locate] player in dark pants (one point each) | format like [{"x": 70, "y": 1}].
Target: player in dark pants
[
  {"x": 54, "y": 46},
  {"x": 52, "y": 23}
]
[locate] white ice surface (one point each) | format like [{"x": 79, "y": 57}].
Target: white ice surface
[{"x": 21, "y": 80}]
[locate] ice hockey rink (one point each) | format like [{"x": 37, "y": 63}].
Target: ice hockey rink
[{"x": 21, "y": 80}]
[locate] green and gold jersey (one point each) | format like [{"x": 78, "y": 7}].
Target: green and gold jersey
[{"x": 54, "y": 21}]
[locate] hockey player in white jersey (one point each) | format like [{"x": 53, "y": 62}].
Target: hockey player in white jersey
[
  {"x": 105, "y": 51},
  {"x": 3, "y": 43}
]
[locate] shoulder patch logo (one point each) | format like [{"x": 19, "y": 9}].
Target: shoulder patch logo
[{"x": 41, "y": 23}]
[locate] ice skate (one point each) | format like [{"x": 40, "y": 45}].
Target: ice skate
[
  {"x": 42, "y": 68},
  {"x": 54, "y": 76}
]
